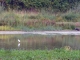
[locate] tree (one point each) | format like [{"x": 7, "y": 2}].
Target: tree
[{"x": 61, "y": 5}]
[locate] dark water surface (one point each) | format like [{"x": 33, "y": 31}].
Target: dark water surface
[{"x": 32, "y": 42}]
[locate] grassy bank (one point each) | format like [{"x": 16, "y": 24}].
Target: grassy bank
[
  {"x": 56, "y": 54},
  {"x": 43, "y": 20}
]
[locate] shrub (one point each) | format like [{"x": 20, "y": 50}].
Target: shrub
[
  {"x": 70, "y": 17},
  {"x": 32, "y": 17},
  {"x": 72, "y": 27},
  {"x": 9, "y": 19}
]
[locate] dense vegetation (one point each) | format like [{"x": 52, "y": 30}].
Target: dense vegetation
[
  {"x": 59, "y": 5},
  {"x": 30, "y": 21},
  {"x": 56, "y": 54},
  {"x": 39, "y": 14}
]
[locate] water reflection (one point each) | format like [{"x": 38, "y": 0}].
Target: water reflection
[
  {"x": 18, "y": 44},
  {"x": 39, "y": 41}
]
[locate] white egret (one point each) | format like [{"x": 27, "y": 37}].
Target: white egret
[{"x": 19, "y": 40}]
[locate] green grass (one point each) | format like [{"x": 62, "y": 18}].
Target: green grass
[{"x": 56, "y": 54}]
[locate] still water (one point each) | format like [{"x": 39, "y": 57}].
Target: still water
[{"x": 32, "y": 42}]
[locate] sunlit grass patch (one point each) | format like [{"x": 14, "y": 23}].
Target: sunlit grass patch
[{"x": 7, "y": 28}]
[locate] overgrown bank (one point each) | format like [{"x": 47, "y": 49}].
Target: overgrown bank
[{"x": 29, "y": 21}]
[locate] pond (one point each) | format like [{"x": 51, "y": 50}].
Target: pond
[{"x": 36, "y": 41}]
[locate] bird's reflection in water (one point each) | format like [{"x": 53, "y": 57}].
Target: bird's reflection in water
[{"x": 18, "y": 44}]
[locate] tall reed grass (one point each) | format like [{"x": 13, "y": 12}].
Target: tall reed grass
[{"x": 42, "y": 20}]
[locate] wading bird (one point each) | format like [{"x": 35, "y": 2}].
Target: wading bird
[{"x": 19, "y": 40}]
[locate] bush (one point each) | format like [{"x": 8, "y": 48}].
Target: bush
[
  {"x": 9, "y": 19},
  {"x": 72, "y": 27},
  {"x": 70, "y": 17}
]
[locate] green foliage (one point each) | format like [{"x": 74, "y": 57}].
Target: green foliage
[
  {"x": 71, "y": 17},
  {"x": 32, "y": 17},
  {"x": 37, "y": 21},
  {"x": 36, "y": 3},
  {"x": 72, "y": 27},
  {"x": 9, "y": 19},
  {"x": 60, "y": 5},
  {"x": 1, "y": 9},
  {"x": 56, "y": 54},
  {"x": 68, "y": 26}
]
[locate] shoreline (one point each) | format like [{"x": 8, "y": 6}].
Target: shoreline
[{"x": 42, "y": 32}]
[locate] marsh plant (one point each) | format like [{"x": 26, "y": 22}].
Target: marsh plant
[{"x": 39, "y": 20}]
